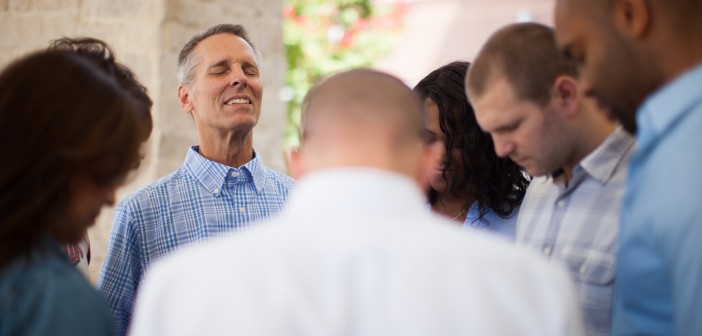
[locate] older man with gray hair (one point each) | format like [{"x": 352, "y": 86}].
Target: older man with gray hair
[{"x": 222, "y": 185}]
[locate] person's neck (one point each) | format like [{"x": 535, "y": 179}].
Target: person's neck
[
  {"x": 231, "y": 151},
  {"x": 681, "y": 54},
  {"x": 451, "y": 206},
  {"x": 597, "y": 131}
]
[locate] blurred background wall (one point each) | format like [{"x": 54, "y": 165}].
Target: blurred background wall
[
  {"x": 437, "y": 32},
  {"x": 147, "y": 35}
]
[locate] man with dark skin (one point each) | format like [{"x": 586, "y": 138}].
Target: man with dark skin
[{"x": 643, "y": 58}]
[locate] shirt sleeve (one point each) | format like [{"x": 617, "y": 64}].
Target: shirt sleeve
[{"x": 122, "y": 270}]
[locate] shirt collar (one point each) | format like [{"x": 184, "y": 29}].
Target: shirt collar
[
  {"x": 256, "y": 170},
  {"x": 212, "y": 175},
  {"x": 602, "y": 163},
  {"x": 364, "y": 189},
  {"x": 669, "y": 104}
]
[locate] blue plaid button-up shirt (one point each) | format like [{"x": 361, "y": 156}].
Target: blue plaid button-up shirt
[
  {"x": 201, "y": 199},
  {"x": 578, "y": 224}
]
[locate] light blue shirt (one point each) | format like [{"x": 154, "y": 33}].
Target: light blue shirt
[
  {"x": 492, "y": 222},
  {"x": 577, "y": 224},
  {"x": 659, "y": 290},
  {"x": 201, "y": 199},
  {"x": 44, "y": 294}
]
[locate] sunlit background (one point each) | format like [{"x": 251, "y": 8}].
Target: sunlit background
[{"x": 406, "y": 38}]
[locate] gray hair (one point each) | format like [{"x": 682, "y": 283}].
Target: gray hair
[{"x": 186, "y": 58}]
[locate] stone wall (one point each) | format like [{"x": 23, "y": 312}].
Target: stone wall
[{"x": 146, "y": 36}]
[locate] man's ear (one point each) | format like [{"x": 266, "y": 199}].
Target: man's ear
[
  {"x": 632, "y": 17},
  {"x": 295, "y": 163},
  {"x": 184, "y": 98},
  {"x": 567, "y": 94},
  {"x": 431, "y": 160}
]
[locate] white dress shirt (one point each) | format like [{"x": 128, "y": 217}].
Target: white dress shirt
[{"x": 356, "y": 253}]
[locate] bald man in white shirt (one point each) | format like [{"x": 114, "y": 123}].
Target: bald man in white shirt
[{"x": 356, "y": 252}]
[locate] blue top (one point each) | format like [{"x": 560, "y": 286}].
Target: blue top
[
  {"x": 659, "y": 289},
  {"x": 44, "y": 294},
  {"x": 577, "y": 223},
  {"x": 201, "y": 199},
  {"x": 492, "y": 222}
]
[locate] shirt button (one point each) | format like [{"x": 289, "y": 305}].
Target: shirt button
[
  {"x": 216, "y": 191},
  {"x": 242, "y": 210},
  {"x": 583, "y": 269},
  {"x": 561, "y": 204},
  {"x": 547, "y": 250},
  {"x": 235, "y": 174}
]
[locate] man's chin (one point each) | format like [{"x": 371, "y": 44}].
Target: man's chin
[
  {"x": 439, "y": 186},
  {"x": 524, "y": 164},
  {"x": 536, "y": 172}
]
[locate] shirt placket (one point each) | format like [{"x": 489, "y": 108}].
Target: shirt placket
[
  {"x": 560, "y": 206},
  {"x": 245, "y": 200}
]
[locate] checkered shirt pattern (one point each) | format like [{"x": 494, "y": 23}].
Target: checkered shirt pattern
[
  {"x": 201, "y": 199},
  {"x": 578, "y": 224}
]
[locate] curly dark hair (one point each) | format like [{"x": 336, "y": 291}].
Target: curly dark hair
[
  {"x": 61, "y": 117},
  {"x": 101, "y": 54},
  {"x": 495, "y": 183}
]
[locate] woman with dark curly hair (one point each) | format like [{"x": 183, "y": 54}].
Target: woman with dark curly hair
[
  {"x": 99, "y": 53},
  {"x": 70, "y": 135},
  {"x": 473, "y": 186}
]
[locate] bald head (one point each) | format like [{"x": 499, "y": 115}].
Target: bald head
[
  {"x": 362, "y": 101},
  {"x": 365, "y": 118}
]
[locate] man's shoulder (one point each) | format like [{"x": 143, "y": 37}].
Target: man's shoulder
[
  {"x": 279, "y": 238},
  {"x": 279, "y": 176},
  {"x": 158, "y": 189}
]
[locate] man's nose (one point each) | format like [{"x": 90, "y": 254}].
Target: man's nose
[{"x": 238, "y": 78}]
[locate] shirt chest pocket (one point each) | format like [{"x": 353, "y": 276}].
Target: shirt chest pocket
[{"x": 590, "y": 266}]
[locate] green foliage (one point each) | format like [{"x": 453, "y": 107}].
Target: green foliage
[{"x": 323, "y": 37}]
